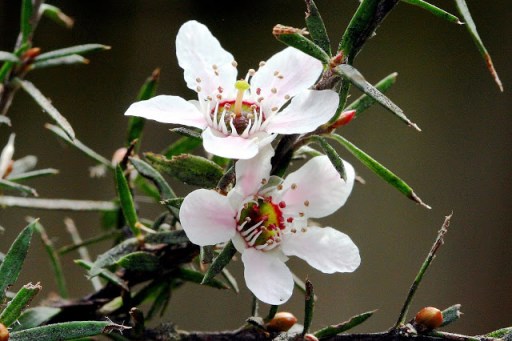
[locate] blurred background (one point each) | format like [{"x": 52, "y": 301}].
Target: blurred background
[{"x": 460, "y": 162}]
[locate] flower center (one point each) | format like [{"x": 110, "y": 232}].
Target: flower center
[{"x": 261, "y": 222}]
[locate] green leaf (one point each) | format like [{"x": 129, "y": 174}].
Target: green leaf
[
  {"x": 333, "y": 156},
  {"x": 168, "y": 237},
  {"x": 14, "y": 308},
  {"x": 104, "y": 273},
  {"x": 139, "y": 261},
  {"x": 109, "y": 235},
  {"x": 13, "y": 260},
  {"x": 78, "y": 49},
  {"x": 127, "y": 203},
  {"x": 56, "y": 15},
  {"x": 294, "y": 37},
  {"x": 34, "y": 317},
  {"x": 54, "y": 260},
  {"x": 58, "y": 204},
  {"x": 79, "y": 145},
  {"x": 316, "y": 27},
  {"x": 173, "y": 203},
  {"x": 434, "y": 10},
  {"x": 365, "y": 101},
  {"x": 309, "y": 307},
  {"x": 8, "y": 57},
  {"x": 46, "y": 105},
  {"x": 193, "y": 276},
  {"x": 147, "y": 171},
  {"x": 333, "y": 330},
  {"x": 230, "y": 280},
  {"x": 6, "y": 184},
  {"x": 188, "y": 168},
  {"x": 451, "y": 314},
  {"x": 500, "y": 333},
  {"x": 220, "y": 262},
  {"x": 356, "y": 78},
  {"x": 65, "y": 331},
  {"x": 135, "y": 123},
  {"x": 32, "y": 174},
  {"x": 194, "y": 133},
  {"x": 183, "y": 145},
  {"x": 378, "y": 169},
  {"x": 470, "y": 25},
  {"x": 66, "y": 60},
  {"x": 26, "y": 21}
]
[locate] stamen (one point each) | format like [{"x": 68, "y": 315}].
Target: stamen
[
  {"x": 250, "y": 229},
  {"x": 253, "y": 240},
  {"x": 241, "y": 86}
]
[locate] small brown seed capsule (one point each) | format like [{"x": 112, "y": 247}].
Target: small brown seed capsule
[
  {"x": 429, "y": 317},
  {"x": 282, "y": 322},
  {"x": 4, "y": 333}
]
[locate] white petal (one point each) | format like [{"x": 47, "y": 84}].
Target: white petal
[
  {"x": 207, "y": 217},
  {"x": 198, "y": 52},
  {"x": 319, "y": 189},
  {"x": 267, "y": 276},
  {"x": 250, "y": 173},
  {"x": 298, "y": 70},
  {"x": 168, "y": 109},
  {"x": 232, "y": 147},
  {"x": 6, "y": 155},
  {"x": 324, "y": 248},
  {"x": 306, "y": 112}
]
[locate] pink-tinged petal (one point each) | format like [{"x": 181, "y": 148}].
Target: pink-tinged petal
[
  {"x": 168, "y": 109},
  {"x": 207, "y": 217},
  {"x": 232, "y": 147},
  {"x": 324, "y": 248},
  {"x": 251, "y": 174},
  {"x": 205, "y": 63},
  {"x": 288, "y": 72},
  {"x": 267, "y": 276},
  {"x": 316, "y": 188},
  {"x": 306, "y": 112}
]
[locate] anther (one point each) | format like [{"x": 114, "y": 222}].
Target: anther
[
  {"x": 262, "y": 63},
  {"x": 280, "y": 76},
  {"x": 293, "y": 231},
  {"x": 294, "y": 186},
  {"x": 214, "y": 66},
  {"x": 198, "y": 80},
  {"x": 303, "y": 230},
  {"x": 258, "y": 91},
  {"x": 276, "y": 73},
  {"x": 273, "y": 90},
  {"x": 286, "y": 97},
  {"x": 279, "y": 187},
  {"x": 216, "y": 73},
  {"x": 306, "y": 203},
  {"x": 289, "y": 219},
  {"x": 219, "y": 96},
  {"x": 274, "y": 108},
  {"x": 251, "y": 72},
  {"x": 282, "y": 204},
  {"x": 220, "y": 89},
  {"x": 263, "y": 181},
  {"x": 301, "y": 214},
  {"x": 209, "y": 98},
  {"x": 234, "y": 63},
  {"x": 260, "y": 99}
]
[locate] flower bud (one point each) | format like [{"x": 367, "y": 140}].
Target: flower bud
[
  {"x": 282, "y": 322},
  {"x": 4, "y": 333},
  {"x": 429, "y": 317},
  {"x": 118, "y": 156},
  {"x": 344, "y": 118},
  {"x": 310, "y": 337}
]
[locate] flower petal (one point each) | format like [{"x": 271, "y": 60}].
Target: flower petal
[
  {"x": 324, "y": 248},
  {"x": 306, "y": 112},
  {"x": 205, "y": 63},
  {"x": 250, "y": 173},
  {"x": 288, "y": 72},
  {"x": 207, "y": 217},
  {"x": 232, "y": 147},
  {"x": 316, "y": 188},
  {"x": 168, "y": 109},
  {"x": 267, "y": 276},
  {"x": 6, "y": 155}
]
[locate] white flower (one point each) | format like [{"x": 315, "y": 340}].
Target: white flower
[
  {"x": 239, "y": 117},
  {"x": 267, "y": 220}
]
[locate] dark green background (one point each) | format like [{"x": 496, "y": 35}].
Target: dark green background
[{"x": 461, "y": 161}]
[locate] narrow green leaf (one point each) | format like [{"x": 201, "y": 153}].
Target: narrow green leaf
[
  {"x": 13, "y": 260},
  {"x": 168, "y": 237},
  {"x": 135, "y": 123},
  {"x": 54, "y": 261},
  {"x": 365, "y": 101},
  {"x": 8, "y": 57},
  {"x": 300, "y": 285},
  {"x": 56, "y": 15},
  {"x": 500, "y": 333},
  {"x": 147, "y": 171},
  {"x": 220, "y": 262},
  {"x": 127, "y": 203},
  {"x": 194, "y": 133},
  {"x": 356, "y": 78},
  {"x": 378, "y": 169},
  {"x": 183, "y": 145},
  {"x": 230, "y": 280},
  {"x": 139, "y": 261},
  {"x": 14, "y": 308},
  {"x": 24, "y": 164},
  {"x": 188, "y": 168},
  {"x": 173, "y": 203},
  {"x": 333, "y": 156},
  {"x": 104, "y": 273},
  {"x": 32, "y": 175},
  {"x": 316, "y": 27},
  {"x": 294, "y": 37},
  {"x": 46, "y": 105},
  {"x": 58, "y": 204},
  {"x": 26, "y": 21},
  {"x": 109, "y": 235},
  {"x": 434, "y": 10},
  {"x": 470, "y": 25},
  {"x": 6, "y": 184},
  {"x": 79, "y": 145},
  {"x": 66, "y": 60},
  {"x": 161, "y": 301},
  {"x": 78, "y": 49},
  {"x": 193, "y": 276},
  {"x": 66, "y": 331},
  {"x": 309, "y": 307},
  {"x": 333, "y": 330},
  {"x": 451, "y": 314},
  {"x": 34, "y": 317}
]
